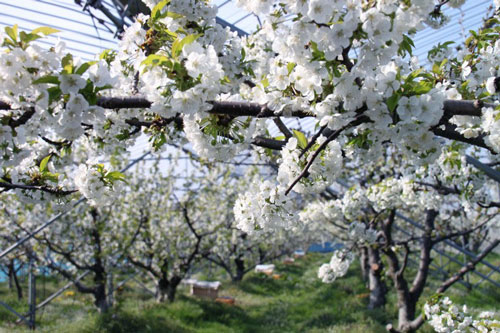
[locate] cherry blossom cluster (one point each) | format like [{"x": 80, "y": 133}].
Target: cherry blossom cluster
[
  {"x": 337, "y": 267},
  {"x": 264, "y": 206},
  {"x": 322, "y": 172},
  {"x": 444, "y": 316}
]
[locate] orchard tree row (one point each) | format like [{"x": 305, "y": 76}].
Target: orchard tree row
[{"x": 158, "y": 226}]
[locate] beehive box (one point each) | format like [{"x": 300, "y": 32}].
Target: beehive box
[
  {"x": 205, "y": 289},
  {"x": 266, "y": 269}
]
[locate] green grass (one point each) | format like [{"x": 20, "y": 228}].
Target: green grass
[{"x": 298, "y": 302}]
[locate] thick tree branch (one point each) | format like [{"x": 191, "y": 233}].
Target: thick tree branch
[
  {"x": 51, "y": 190},
  {"x": 401, "y": 271},
  {"x": 268, "y": 143},
  {"x": 425, "y": 255},
  {"x": 449, "y": 132},
  {"x": 282, "y": 127},
  {"x": 441, "y": 189}
]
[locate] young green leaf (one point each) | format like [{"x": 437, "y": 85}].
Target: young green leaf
[
  {"x": 180, "y": 43},
  {"x": 301, "y": 138},
  {"x": 47, "y": 79},
  {"x": 392, "y": 102},
  {"x": 83, "y": 68},
  {"x": 67, "y": 63},
  {"x": 44, "y": 30},
  {"x": 115, "y": 175},
  {"x": 44, "y": 162},
  {"x": 12, "y": 32},
  {"x": 156, "y": 11}
]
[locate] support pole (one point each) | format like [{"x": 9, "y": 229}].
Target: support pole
[{"x": 32, "y": 295}]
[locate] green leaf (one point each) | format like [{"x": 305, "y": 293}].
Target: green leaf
[
  {"x": 54, "y": 94},
  {"x": 26, "y": 38},
  {"x": 178, "y": 44},
  {"x": 422, "y": 87},
  {"x": 47, "y": 79},
  {"x": 45, "y": 30},
  {"x": 67, "y": 63},
  {"x": 280, "y": 138},
  {"x": 172, "y": 15},
  {"x": 301, "y": 138},
  {"x": 83, "y": 68},
  {"x": 44, "y": 162},
  {"x": 53, "y": 177},
  {"x": 107, "y": 55},
  {"x": 115, "y": 175},
  {"x": 124, "y": 135},
  {"x": 290, "y": 67},
  {"x": 156, "y": 11},
  {"x": 97, "y": 89},
  {"x": 12, "y": 32},
  {"x": 157, "y": 60},
  {"x": 265, "y": 82},
  {"x": 392, "y": 102},
  {"x": 171, "y": 33}
]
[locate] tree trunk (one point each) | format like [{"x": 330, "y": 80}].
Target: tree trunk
[
  {"x": 406, "y": 314},
  {"x": 172, "y": 287},
  {"x": 377, "y": 287},
  {"x": 240, "y": 269},
  {"x": 100, "y": 295},
  {"x": 13, "y": 277},
  {"x": 363, "y": 261},
  {"x": 166, "y": 289},
  {"x": 408, "y": 297},
  {"x": 161, "y": 290},
  {"x": 101, "y": 299}
]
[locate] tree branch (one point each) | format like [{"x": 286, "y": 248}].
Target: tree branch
[
  {"x": 282, "y": 127},
  {"x": 461, "y": 233},
  {"x": 425, "y": 255},
  {"x": 450, "y": 133},
  {"x": 51, "y": 190}
]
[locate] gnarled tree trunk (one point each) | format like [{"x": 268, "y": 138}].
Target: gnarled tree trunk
[
  {"x": 363, "y": 262},
  {"x": 240, "y": 269},
  {"x": 378, "y": 289},
  {"x": 167, "y": 288}
]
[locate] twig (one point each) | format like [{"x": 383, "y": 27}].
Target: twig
[
  {"x": 332, "y": 137},
  {"x": 313, "y": 141}
]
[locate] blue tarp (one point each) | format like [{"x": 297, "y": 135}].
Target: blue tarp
[{"x": 324, "y": 247}]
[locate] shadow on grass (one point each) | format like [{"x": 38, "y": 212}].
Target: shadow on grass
[
  {"x": 126, "y": 322},
  {"x": 213, "y": 313},
  {"x": 263, "y": 285}
]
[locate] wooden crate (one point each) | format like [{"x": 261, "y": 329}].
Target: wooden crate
[{"x": 205, "y": 290}]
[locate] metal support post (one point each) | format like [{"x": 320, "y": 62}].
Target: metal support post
[{"x": 32, "y": 295}]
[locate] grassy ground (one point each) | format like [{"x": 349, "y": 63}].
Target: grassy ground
[{"x": 297, "y": 302}]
